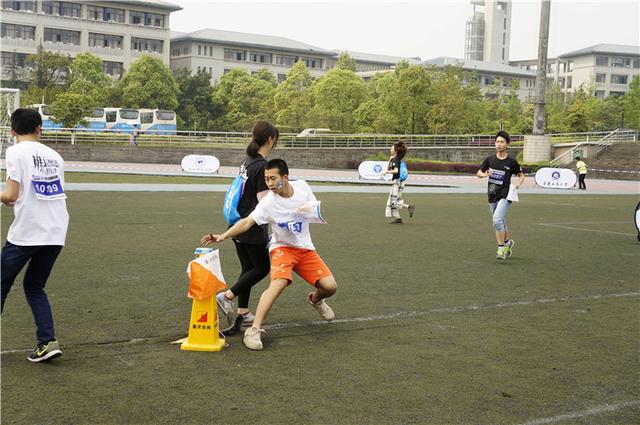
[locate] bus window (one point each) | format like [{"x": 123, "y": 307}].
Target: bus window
[
  {"x": 146, "y": 117},
  {"x": 128, "y": 114},
  {"x": 111, "y": 116},
  {"x": 165, "y": 115},
  {"x": 97, "y": 113}
]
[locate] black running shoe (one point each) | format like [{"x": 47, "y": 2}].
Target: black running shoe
[{"x": 45, "y": 352}]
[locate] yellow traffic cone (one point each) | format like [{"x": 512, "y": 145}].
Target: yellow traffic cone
[{"x": 203, "y": 325}]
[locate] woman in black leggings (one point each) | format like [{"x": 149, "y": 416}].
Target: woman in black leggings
[{"x": 251, "y": 246}]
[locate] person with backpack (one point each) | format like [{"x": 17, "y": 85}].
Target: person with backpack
[
  {"x": 398, "y": 172},
  {"x": 251, "y": 246}
]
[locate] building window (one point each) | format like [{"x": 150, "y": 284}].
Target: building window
[
  {"x": 601, "y": 61},
  {"x": 260, "y": 57},
  {"x": 146, "y": 45},
  {"x": 154, "y": 20},
  {"x": 210, "y": 71},
  {"x": 286, "y": 60},
  {"x": 54, "y": 35},
  {"x": 199, "y": 50},
  {"x": 488, "y": 81},
  {"x": 312, "y": 62},
  {"x": 636, "y": 63},
  {"x": 210, "y": 50},
  {"x": 105, "y": 40},
  {"x": 503, "y": 53},
  {"x": 13, "y": 59},
  {"x": 616, "y": 93},
  {"x": 621, "y": 62},
  {"x": 19, "y": 32},
  {"x": 185, "y": 51},
  {"x": 23, "y": 6},
  {"x": 504, "y": 38},
  {"x": 570, "y": 66},
  {"x": 281, "y": 78},
  {"x": 112, "y": 68},
  {"x": 618, "y": 79},
  {"x": 106, "y": 14},
  {"x": 601, "y": 78},
  {"x": 561, "y": 82},
  {"x": 505, "y": 23},
  {"x": 569, "y": 81},
  {"x": 599, "y": 94},
  {"x": 136, "y": 18},
  {"x": 61, "y": 8},
  {"x": 235, "y": 55}
]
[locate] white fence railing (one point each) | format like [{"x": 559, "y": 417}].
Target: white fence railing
[{"x": 606, "y": 140}]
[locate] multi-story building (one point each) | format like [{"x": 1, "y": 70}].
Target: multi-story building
[
  {"x": 117, "y": 31},
  {"x": 218, "y": 52},
  {"x": 608, "y": 68},
  {"x": 493, "y": 79},
  {"x": 487, "y": 32},
  {"x": 493, "y": 76},
  {"x": 371, "y": 62}
]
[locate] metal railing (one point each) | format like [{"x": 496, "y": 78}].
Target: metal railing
[{"x": 606, "y": 140}]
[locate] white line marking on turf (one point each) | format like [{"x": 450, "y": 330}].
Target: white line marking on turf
[
  {"x": 402, "y": 314},
  {"x": 596, "y": 410},
  {"x": 565, "y": 204},
  {"x": 473, "y": 307},
  {"x": 585, "y": 230}
]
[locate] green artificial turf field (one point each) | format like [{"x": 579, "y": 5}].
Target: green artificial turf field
[{"x": 431, "y": 328}]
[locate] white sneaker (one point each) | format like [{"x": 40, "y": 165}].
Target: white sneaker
[
  {"x": 227, "y": 307},
  {"x": 252, "y": 338},
  {"x": 322, "y": 308}
]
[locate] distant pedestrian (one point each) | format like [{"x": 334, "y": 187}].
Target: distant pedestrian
[
  {"x": 35, "y": 177},
  {"x": 395, "y": 204},
  {"x": 133, "y": 140},
  {"x": 581, "y": 167},
  {"x": 499, "y": 168}
]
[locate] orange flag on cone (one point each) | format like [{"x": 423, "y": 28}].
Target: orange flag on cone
[{"x": 205, "y": 276}]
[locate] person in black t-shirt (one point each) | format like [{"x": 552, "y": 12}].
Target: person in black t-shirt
[
  {"x": 251, "y": 246},
  {"x": 395, "y": 204},
  {"x": 499, "y": 168}
]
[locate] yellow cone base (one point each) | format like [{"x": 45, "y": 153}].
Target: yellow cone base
[{"x": 203, "y": 327}]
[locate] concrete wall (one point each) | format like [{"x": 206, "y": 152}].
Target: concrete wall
[{"x": 297, "y": 158}]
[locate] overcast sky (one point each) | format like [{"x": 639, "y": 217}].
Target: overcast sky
[{"x": 423, "y": 28}]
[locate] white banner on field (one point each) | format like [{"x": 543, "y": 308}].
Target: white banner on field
[
  {"x": 556, "y": 178},
  {"x": 202, "y": 164},
  {"x": 373, "y": 170}
]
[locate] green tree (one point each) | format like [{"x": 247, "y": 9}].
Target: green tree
[
  {"x": 196, "y": 109},
  {"x": 243, "y": 99},
  {"x": 294, "y": 98},
  {"x": 631, "y": 105},
  {"x": 149, "y": 84},
  {"x": 346, "y": 62},
  {"x": 49, "y": 75},
  {"x": 89, "y": 89},
  {"x": 337, "y": 95}
]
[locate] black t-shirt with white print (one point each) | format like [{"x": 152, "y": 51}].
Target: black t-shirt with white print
[
  {"x": 253, "y": 170},
  {"x": 500, "y": 178},
  {"x": 395, "y": 163}
]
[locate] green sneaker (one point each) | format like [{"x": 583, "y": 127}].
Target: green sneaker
[
  {"x": 45, "y": 352},
  {"x": 502, "y": 253},
  {"x": 510, "y": 245}
]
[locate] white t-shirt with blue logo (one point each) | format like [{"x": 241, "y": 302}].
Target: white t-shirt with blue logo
[
  {"x": 41, "y": 216},
  {"x": 281, "y": 213}
]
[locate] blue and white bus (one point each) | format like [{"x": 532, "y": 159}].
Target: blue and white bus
[
  {"x": 122, "y": 119},
  {"x": 47, "y": 118},
  {"x": 97, "y": 121},
  {"x": 158, "y": 121}
]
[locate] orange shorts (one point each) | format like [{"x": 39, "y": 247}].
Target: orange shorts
[{"x": 305, "y": 262}]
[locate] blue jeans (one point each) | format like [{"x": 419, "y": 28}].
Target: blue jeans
[
  {"x": 498, "y": 212},
  {"x": 14, "y": 258}
]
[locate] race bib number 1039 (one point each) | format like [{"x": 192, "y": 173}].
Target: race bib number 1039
[{"x": 48, "y": 190}]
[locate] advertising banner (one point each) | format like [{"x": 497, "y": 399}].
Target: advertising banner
[
  {"x": 202, "y": 164},
  {"x": 373, "y": 170},
  {"x": 556, "y": 178}
]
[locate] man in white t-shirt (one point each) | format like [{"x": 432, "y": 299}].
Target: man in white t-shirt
[
  {"x": 35, "y": 179},
  {"x": 285, "y": 207}
]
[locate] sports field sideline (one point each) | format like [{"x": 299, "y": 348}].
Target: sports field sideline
[{"x": 431, "y": 328}]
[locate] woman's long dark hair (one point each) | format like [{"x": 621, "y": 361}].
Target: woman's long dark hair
[
  {"x": 401, "y": 149},
  {"x": 261, "y": 133}
]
